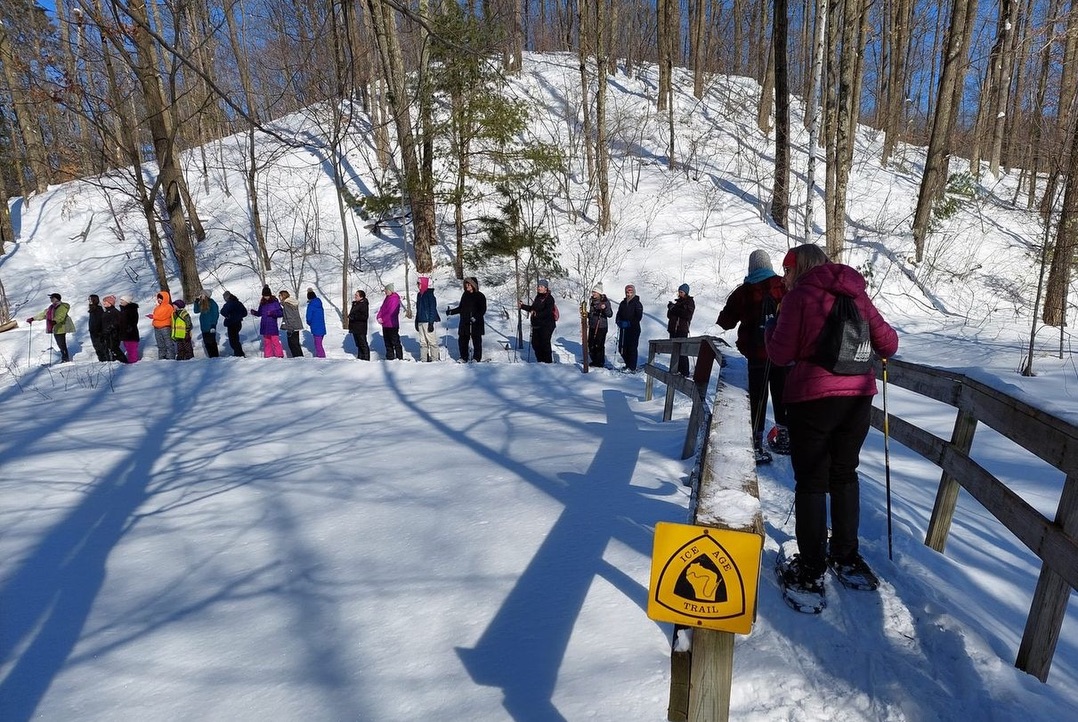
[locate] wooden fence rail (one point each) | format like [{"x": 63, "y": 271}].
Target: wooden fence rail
[{"x": 1048, "y": 437}]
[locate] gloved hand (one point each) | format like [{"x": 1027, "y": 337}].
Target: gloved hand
[
  {"x": 30, "y": 321},
  {"x": 769, "y": 322},
  {"x": 623, "y": 324},
  {"x": 430, "y": 326},
  {"x": 669, "y": 304},
  {"x": 448, "y": 311}
]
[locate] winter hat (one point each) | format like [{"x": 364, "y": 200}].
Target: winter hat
[
  {"x": 124, "y": 300},
  {"x": 110, "y": 299},
  {"x": 544, "y": 283},
  {"x": 266, "y": 291},
  {"x": 424, "y": 284},
  {"x": 389, "y": 288},
  {"x": 790, "y": 259},
  {"x": 55, "y": 296},
  {"x": 310, "y": 294},
  {"x": 95, "y": 300},
  {"x": 178, "y": 303},
  {"x": 684, "y": 287},
  {"x": 471, "y": 280},
  {"x": 759, "y": 260},
  {"x": 226, "y": 295},
  {"x": 629, "y": 285},
  {"x": 597, "y": 288}
]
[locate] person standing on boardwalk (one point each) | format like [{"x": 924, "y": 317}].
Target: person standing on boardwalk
[{"x": 679, "y": 314}]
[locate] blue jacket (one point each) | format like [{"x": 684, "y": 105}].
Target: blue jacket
[
  {"x": 316, "y": 317},
  {"x": 208, "y": 315},
  {"x": 234, "y": 312},
  {"x": 426, "y": 308}
]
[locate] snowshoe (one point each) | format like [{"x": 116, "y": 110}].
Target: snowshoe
[
  {"x": 802, "y": 590},
  {"x": 854, "y": 573},
  {"x": 762, "y": 456},
  {"x": 778, "y": 440}
]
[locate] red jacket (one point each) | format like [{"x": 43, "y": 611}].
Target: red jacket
[{"x": 792, "y": 340}]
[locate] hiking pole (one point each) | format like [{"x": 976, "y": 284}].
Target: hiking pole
[
  {"x": 29, "y": 345},
  {"x": 887, "y": 461}
]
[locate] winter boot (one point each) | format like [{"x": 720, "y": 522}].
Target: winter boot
[{"x": 778, "y": 439}]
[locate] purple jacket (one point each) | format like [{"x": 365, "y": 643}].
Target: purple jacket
[
  {"x": 389, "y": 312},
  {"x": 792, "y": 340},
  {"x": 270, "y": 310}
]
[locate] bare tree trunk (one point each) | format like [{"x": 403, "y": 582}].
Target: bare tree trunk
[
  {"x": 897, "y": 40},
  {"x": 697, "y": 15},
  {"x": 602, "y": 152},
  {"x": 780, "y": 196},
  {"x": 585, "y": 87},
  {"x": 26, "y": 115},
  {"x": 813, "y": 113},
  {"x": 160, "y": 124},
  {"x": 1059, "y": 274},
  {"x": 934, "y": 178},
  {"x": 252, "y": 164},
  {"x": 419, "y": 191},
  {"x": 767, "y": 92}
]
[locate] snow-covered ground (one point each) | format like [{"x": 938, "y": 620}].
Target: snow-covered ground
[{"x": 328, "y": 539}]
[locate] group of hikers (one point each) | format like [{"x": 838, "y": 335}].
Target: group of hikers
[{"x": 821, "y": 415}]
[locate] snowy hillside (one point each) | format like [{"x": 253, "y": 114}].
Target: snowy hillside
[{"x": 328, "y": 539}]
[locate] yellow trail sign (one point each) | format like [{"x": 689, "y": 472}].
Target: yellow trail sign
[{"x": 704, "y": 577}]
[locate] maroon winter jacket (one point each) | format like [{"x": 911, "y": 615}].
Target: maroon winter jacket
[{"x": 792, "y": 340}]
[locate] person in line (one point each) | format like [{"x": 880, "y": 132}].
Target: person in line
[
  {"x": 269, "y": 310},
  {"x": 543, "y": 322},
  {"x": 96, "y": 325},
  {"x": 181, "y": 331},
  {"x": 388, "y": 317},
  {"x": 828, "y": 416},
  {"x": 358, "y": 315},
  {"x": 316, "y": 321},
  {"x": 161, "y": 318},
  {"x": 472, "y": 310},
  {"x": 292, "y": 323},
  {"x": 426, "y": 315},
  {"x": 630, "y": 314},
  {"x": 129, "y": 333},
  {"x": 679, "y": 315},
  {"x": 599, "y": 310},
  {"x": 749, "y": 307},
  {"x": 111, "y": 321},
  {"x": 57, "y": 322},
  {"x": 208, "y": 315},
  {"x": 234, "y": 312}
]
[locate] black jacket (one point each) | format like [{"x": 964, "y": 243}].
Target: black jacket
[
  {"x": 680, "y": 313},
  {"x": 472, "y": 308},
  {"x": 358, "y": 315},
  {"x": 233, "y": 312},
  {"x": 630, "y": 312}
]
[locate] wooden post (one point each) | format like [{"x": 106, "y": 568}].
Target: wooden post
[
  {"x": 965, "y": 425},
  {"x": 711, "y": 676},
  {"x": 649, "y": 385},
  {"x": 1049, "y": 605},
  {"x": 668, "y": 408}
]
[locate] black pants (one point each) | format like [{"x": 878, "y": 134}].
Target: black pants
[
  {"x": 209, "y": 341},
  {"x": 597, "y": 346},
  {"x": 392, "y": 337},
  {"x": 234, "y": 343},
  {"x": 112, "y": 346},
  {"x": 476, "y": 340},
  {"x": 294, "y": 347},
  {"x": 61, "y": 343},
  {"x": 541, "y": 344},
  {"x": 683, "y": 362},
  {"x": 762, "y": 377},
  {"x": 628, "y": 341},
  {"x": 100, "y": 346},
  {"x": 825, "y": 447},
  {"x": 363, "y": 349}
]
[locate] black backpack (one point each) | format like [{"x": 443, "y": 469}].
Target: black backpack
[
  {"x": 768, "y": 308},
  {"x": 845, "y": 343}
]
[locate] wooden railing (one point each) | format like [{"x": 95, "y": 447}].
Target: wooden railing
[
  {"x": 1048, "y": 437},
  {"x": 701, "y": 672}
]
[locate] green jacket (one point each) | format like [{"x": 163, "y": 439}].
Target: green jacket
[{"x": 61, "y": 321}]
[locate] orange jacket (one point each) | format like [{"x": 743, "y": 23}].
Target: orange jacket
[{"x": 162, "y": 312}]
